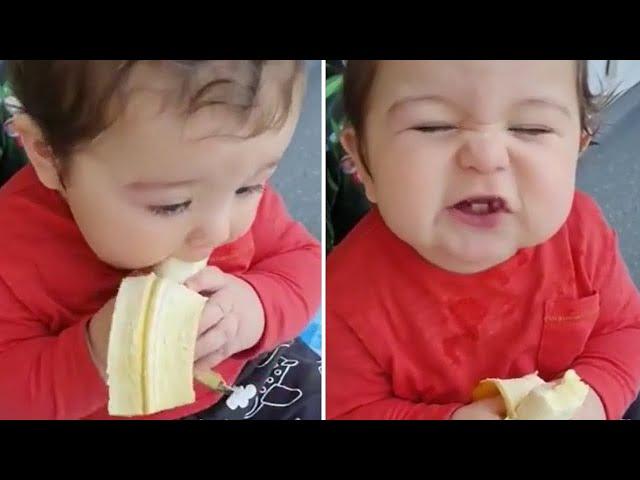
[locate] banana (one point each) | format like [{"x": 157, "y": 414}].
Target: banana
[
  {"x": 531, "y": 398},
  {"x": 125, "y": 358},
  {"x": 512, "y": 390},
  {"x": 152, "y": 342},
  {"x": 559, "y": 402},
  {"x": 179, "y": 270}
]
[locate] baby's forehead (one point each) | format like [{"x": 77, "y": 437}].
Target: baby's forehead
[
  {"x": 152, "y": 139},
  {"x": 456, "y": 73},
  {"x": 477, "y": 80},
  {"x": 157, "y": 152}
]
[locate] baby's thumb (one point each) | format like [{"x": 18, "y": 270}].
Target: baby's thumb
[
  {"x": 207, "y": 281},
  {"x": 494, "y": 405}
]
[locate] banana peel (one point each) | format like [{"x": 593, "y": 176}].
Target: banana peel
[
  {"x": 512, "y": 390},
  {"x": 152, "y": 343},
  {"x": 179, "y": 271},
  {"x": 531, "y": 398}
]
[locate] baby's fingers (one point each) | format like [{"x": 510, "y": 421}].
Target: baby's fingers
[
  {"x": 211, "y": 360},
  {"x": 217, "y": 307},
  {"x": 207, "y": 281},
  {"x": 216, "y": 337}
]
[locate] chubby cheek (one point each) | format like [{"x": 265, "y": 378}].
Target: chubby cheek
[
  {"x": 409, "y": 185},
  {"x": 243, "y": 218},
  {"x": 122, "y": 236},
  {"x": 548, "y": 196}
]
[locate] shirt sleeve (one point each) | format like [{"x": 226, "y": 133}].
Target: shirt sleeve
[
  {"x": 610, "y": 360},
  {"x": 44, "y": 376},
  {"x": 285, "y": 273}
]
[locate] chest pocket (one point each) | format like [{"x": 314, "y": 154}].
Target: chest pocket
[{"x": 567, "y": 325}]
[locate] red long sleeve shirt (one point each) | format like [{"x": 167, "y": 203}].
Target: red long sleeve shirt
[
  {"x": 407, "y": 340},
  {"x": 51, "y": 284}
]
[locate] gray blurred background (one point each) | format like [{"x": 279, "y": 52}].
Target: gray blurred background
[
  {"x": 610, "y": 170},
  {"x": 298, "y": 177}
]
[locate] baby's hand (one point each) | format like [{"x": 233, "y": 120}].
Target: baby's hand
[
  {"x": 485, "y": 409},
  {"x": 232, "y": 319},
  {"x": 98, "y": 331}
]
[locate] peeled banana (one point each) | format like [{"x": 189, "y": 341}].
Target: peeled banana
[
  {"x": 152, "y": 341},
  {"x": 531, "y": 398},
  {"x": 559, "y": 402}
]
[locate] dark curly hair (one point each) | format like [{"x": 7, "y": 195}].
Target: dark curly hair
[{"x": 72, "y": 101}]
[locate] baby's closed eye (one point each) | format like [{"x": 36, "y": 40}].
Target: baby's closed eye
[
  {"x": 434, "y": 128},
  {"x": 531, "y": 130},
  {"x": 172, "y": 209},
  {"x": 252, "y": 189}
]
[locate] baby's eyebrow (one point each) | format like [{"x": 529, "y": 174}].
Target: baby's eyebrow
[
  {"x": 546, "y": 102},
  {"x": 147, "y": 186},
  {"x": 142, "y": 186},
  {"x": 418, "y": 98},
  {"x": 533, "y": 101}
]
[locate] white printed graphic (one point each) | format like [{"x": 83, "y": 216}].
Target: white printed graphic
[
  {"x": 274, "y": 353},
  {"x": 277, "y": 394},
  {"x": 241, "y": 396},
  {"x": 274, "y": 392}
]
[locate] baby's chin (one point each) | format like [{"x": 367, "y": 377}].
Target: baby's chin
[{"x": 468, "y": 258}]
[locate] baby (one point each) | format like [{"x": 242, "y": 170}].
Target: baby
[
  {"x": 480, "y": 258},
  {"x": 131, "y": 163}
]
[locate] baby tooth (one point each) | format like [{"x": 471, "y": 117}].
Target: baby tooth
[{"x": 479, "y": 207}]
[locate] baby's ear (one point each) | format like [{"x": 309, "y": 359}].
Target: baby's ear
[
  {"x": 585, "y": 141},
  {"x": 39, "y": 152},
  {"x": 349, "y": 142}
]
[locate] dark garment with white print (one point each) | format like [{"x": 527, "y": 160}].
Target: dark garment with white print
[{"x": 284, "y": 384}]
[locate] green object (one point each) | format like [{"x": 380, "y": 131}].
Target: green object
[
  {"x": 12, "y": 156},
  {"x": 214, "y": 381},
  {"x": 346, "y": 201}
]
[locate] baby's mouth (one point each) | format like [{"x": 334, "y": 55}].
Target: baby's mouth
[{"x": 484, "y": 205}]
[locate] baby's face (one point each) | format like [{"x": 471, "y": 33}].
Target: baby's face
[
  {"x": 473, "y": 160},
  {"x": 153, "y": 186}
]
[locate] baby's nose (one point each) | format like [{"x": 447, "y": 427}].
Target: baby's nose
[{"x": 483, "y": 151}]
